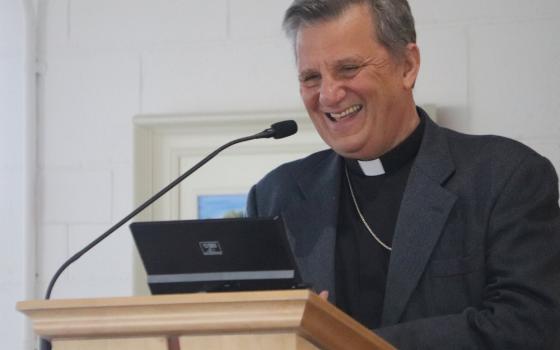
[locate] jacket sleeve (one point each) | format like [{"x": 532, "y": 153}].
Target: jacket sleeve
[
  {"x": 252, "y": 210},
  {"x": 520, "y": 307}
]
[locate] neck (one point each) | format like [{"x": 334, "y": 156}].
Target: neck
[
  {"x": 409, "y": 124},
  {"x": 406, "y": 125}
]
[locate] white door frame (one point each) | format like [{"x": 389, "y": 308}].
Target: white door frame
[{"x": 163, "y": 142}]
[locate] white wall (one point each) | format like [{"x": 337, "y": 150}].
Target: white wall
[
  {"x": 106, "y": 61},
  {"x": 16, "y": 171},
  {"x": 491, "y": 66}
]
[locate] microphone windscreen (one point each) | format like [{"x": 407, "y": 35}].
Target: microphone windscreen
[{"x": 284, "y": 129}]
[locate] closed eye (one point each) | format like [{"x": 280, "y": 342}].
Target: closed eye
[
  {"x": 309, "y": 80},
  {"x": 349, "y": 70},
  {"x": 308, "y": 77}
]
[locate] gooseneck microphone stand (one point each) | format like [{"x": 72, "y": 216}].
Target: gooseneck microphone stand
[{"x": 277, "y": 130}]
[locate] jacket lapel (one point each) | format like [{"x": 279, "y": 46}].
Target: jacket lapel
[
  {"x": 314, "y": 215},
  {"x": 424, "y": 210}
]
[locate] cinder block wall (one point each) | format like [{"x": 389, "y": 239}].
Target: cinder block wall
[
  {"x": 493, "y": 66},
  {"x": 16, "y": 173},
  {"x": 106, "y": 61},
  {"x": 490, "y": 66}
]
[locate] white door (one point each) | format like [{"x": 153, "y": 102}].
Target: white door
[{"x": 167, "y": 146}]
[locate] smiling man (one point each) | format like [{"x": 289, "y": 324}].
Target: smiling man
[
  {"x": 357, "y": 94},
  {"x": 432, "y": 238}
]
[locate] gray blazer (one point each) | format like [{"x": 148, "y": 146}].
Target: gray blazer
[{"x": 476, "y": 250}]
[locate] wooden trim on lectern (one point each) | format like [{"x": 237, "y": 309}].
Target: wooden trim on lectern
[{"x": 297, "y": 311}]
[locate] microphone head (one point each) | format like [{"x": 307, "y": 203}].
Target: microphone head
[{"x": 284, "y": 129}]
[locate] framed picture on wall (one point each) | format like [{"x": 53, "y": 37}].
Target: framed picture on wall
[{"x": 218, "y": 206}]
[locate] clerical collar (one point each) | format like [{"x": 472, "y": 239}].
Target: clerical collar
[{"x": 392, "y": 160}]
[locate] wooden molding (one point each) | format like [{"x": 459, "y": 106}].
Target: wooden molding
[{"x": 299, "y": 312}]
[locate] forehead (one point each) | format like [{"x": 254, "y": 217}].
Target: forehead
[{"x": 350, "y": 34}]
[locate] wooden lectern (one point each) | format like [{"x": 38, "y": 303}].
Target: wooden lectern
[{"x": 271, "y": 320}]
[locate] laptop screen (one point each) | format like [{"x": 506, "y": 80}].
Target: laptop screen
[{"x": 216, "y": 255}]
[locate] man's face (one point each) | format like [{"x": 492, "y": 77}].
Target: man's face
[{"x": 357, "y": 95}]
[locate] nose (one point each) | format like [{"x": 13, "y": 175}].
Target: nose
[{"x": 331, "y": 92}]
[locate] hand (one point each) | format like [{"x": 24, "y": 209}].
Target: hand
[{"x": 324, "y": 295}]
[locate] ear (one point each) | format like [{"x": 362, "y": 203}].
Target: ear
[{"x": 411, "y": 64}]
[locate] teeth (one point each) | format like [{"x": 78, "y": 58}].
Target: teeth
[{"x": 346, "y": 112}]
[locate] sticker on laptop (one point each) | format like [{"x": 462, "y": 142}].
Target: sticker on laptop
[{"x": 210, "y": 248}]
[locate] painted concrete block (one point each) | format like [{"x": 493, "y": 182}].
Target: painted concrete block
[
  {"x": 12, "y": 107},
  {"x": 12, "y": 20},
  {"x": 515, "y": 74},
  {"x": 235, "y": 76},
  {"x": 452, "y": 11},
  {"x": 443, "y": 77},
  {"x": 11, "y": 202},
  {"x": 52, "y": 251},
  {"x": 76, "y": 196},
  {"x": 13, "y": 323},
  {"x": 89, "y": 104},
  {"x": 139, "y": 24},
  {"x": 257, "y": 18},
  {"x": 54, "y": 33},
  {"x": 123, "y": 182},
  {"x": 107, "y": 263},
  {"x": 107, "y": 289},
  {"x": 12, "y": 235},
  {"x": 104, "y": 271},
  {"x": 548, "y": 148}
]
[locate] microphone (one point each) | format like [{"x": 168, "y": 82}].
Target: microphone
[
  {"x": 282, "y": 129},
  {"x": 277, "y": 130}
]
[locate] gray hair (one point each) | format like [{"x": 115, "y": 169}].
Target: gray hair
[{"x": 392, "y": 19}]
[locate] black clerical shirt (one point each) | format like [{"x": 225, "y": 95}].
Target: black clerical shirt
[{"x": 361, "y": 262}]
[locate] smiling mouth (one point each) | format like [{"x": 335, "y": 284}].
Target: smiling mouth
[{"x": 348, "y": 112}]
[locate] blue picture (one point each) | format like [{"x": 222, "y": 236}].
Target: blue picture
[{"x": 221, "y": 206}]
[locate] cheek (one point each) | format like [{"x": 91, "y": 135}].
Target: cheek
[
  {"x": 309, "y": 97},
  {"x": 365, "y": 89}
]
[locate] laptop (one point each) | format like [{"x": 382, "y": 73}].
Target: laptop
[{"x": 212, "y": 255}]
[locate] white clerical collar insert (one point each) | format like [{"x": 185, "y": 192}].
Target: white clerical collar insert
[{"x": 372, "y": 167}]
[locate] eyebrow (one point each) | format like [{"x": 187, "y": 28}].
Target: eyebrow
[
  {"x": 306, "y": 73},
  {"x": 347, "y": 60},
  {"x": 358, "y": 60}
]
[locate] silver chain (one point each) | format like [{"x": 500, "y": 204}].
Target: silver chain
[{"x": 360, "y": 212}]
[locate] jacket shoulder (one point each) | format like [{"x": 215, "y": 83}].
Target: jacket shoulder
[
  {"x": 289, "y": 172},
  {"x": 282, "y": 185},
  {"x": 489, "y": 149}
]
